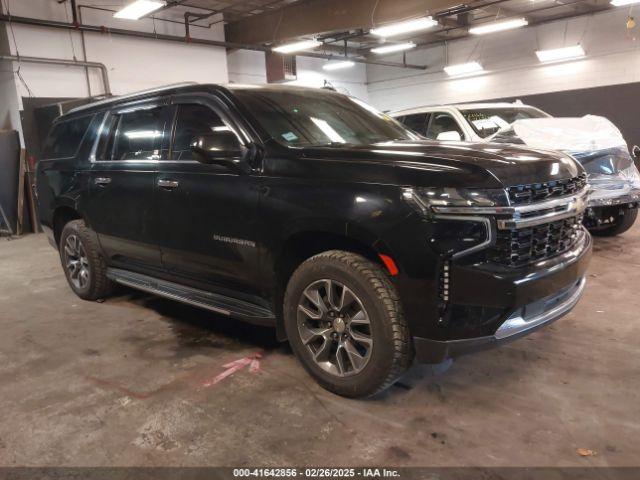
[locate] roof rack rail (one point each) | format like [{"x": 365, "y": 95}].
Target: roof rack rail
[{"x": 118, "y": 98}]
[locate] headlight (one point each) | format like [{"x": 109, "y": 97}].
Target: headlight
[
  {"x": 456, "y": 231},
  {"x": 631, "y": 175},
  {"x": 453, "y": 200},
  {"x": 455, "y": 236},
  {"x": 622, "y": 182}
]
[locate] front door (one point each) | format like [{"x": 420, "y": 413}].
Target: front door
[
  {"x": 444, "y": 126},
  {"x": 206, "y": 212},
  {"x": 122, "y": 185}
]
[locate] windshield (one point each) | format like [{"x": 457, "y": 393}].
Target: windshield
[
  {"x": 306, "y": 117},
  {"x": 487, "y": 121}
]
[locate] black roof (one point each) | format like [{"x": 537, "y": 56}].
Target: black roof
[{"x": 172, "y": 89}]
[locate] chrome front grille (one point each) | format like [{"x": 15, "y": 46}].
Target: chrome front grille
[
  {"x": 546, "y": 220},
  {"x": 520, "y": 246},
  {"x": 524, "y": 233},
  {"x": 538, "y": 192}
]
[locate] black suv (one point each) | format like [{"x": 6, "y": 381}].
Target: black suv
[{"x": 307, "y": 210}]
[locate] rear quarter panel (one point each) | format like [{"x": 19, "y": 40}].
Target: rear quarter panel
[{"x": 64, "y": 182}]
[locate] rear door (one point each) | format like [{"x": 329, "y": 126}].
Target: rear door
[
  {"x": 206, "y": 212},
  {"x": 132, "y": 142}
]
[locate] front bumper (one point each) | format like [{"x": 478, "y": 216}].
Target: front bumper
[
  {"x": 607, "y": 197},
  {"x": 537, "y": 297}
]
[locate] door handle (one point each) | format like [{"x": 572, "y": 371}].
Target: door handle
[
  {"x": 102, "y": 181},
  {"x": 168, "y": 184}
]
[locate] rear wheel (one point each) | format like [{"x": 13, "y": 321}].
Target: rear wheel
[
  {"x": 344, "y": 321},
  {"x": 83, "y": 265},
  {"x": 622, "y": 222}
]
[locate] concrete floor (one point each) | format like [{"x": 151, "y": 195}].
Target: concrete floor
[{"x": 131, "y": 382}]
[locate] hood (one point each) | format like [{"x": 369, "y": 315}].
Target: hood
[
  {"x": 455, "y": 164},
  {"x": 594, "y": 141}
]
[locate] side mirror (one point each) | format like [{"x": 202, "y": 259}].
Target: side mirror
[
  {"x": 219, "y": 148},
  {"x": 450, "y": 135},
  {"x": 635, "y": 151}
]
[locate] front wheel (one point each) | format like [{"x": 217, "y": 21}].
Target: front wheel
[{"x": 345, "y": 324}]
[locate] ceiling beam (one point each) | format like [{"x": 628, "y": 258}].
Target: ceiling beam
[
  {"x": 320, "y": 16},
  {"x": 198, "y": 41},
  {"x": 532, "y": 23}
]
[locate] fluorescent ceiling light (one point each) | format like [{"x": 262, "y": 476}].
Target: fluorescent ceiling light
[
  {"x": 564, "y": 53},
  {"x": 622, "y": 3},
  {"x": 499, "y": 26},
  {"x": 404, "y": 27},
  {"x": 397, "y": 47},
  {"x": 463, "y": 69},
  {"x": 297, "y": 46},
  {"x": 338, "y": 65},
  {"x": 139, "y": 9}
]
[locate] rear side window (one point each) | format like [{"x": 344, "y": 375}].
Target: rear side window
[
  {"x": 135, "y": 135},
  {"x": 65, "y": 137}
]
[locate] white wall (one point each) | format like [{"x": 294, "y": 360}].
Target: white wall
[
  {"x": 249, "y": 67},
  {"x": 246, "y": 66},
  {"x": 513, "y": 69},
  {"x": 133, "y": 63},
  {"x": 9, "y": 102}
]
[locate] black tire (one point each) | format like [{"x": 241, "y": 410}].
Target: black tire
[
  {"x": 391, "y": 351},
  {"x": 625, "y": 220},
  {"x": 95, "y": 284}
]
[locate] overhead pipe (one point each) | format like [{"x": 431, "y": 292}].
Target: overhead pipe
[
  {"x": 84, "y": 49},
  {"x": 69, "y": 63},
  {"x": 195, "y": 16},
  {"x": 199, "y": 41},
  {"x": 74, "y": 13}
]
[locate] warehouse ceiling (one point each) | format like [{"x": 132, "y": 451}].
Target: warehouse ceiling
[
  {"x": 341, "y": 24},
  {"x": 234, "y": 10},
  {"x": 457, "y": 24}
]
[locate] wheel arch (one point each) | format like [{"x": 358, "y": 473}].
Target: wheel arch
[
  {"x": 62, "y": 215},
  {"x": 304, "y": 243}
]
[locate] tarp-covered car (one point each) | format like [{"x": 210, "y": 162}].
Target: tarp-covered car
[
  {"x": 600, "y": 147},
  {"x": 594, "y": 141}
]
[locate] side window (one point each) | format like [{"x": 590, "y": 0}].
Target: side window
[
  {"x": 416, "y": 122},
  {"x": 65, "y": 137},
  {"x": 443, "y": 122},
  {"x": 135, "y": 135},
  {"x": 196, "y": 124}
]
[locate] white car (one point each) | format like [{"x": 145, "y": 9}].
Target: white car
[
  {"x": 473, "y": 122},
  {"x": 594, "y": 141}
]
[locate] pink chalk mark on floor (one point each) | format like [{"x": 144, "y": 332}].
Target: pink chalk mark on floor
[{"x": 253, "y": 361}]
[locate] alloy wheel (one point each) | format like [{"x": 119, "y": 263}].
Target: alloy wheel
[
  {"x": 335, "y": 328},
  {"x": 76, "y": 262}
]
